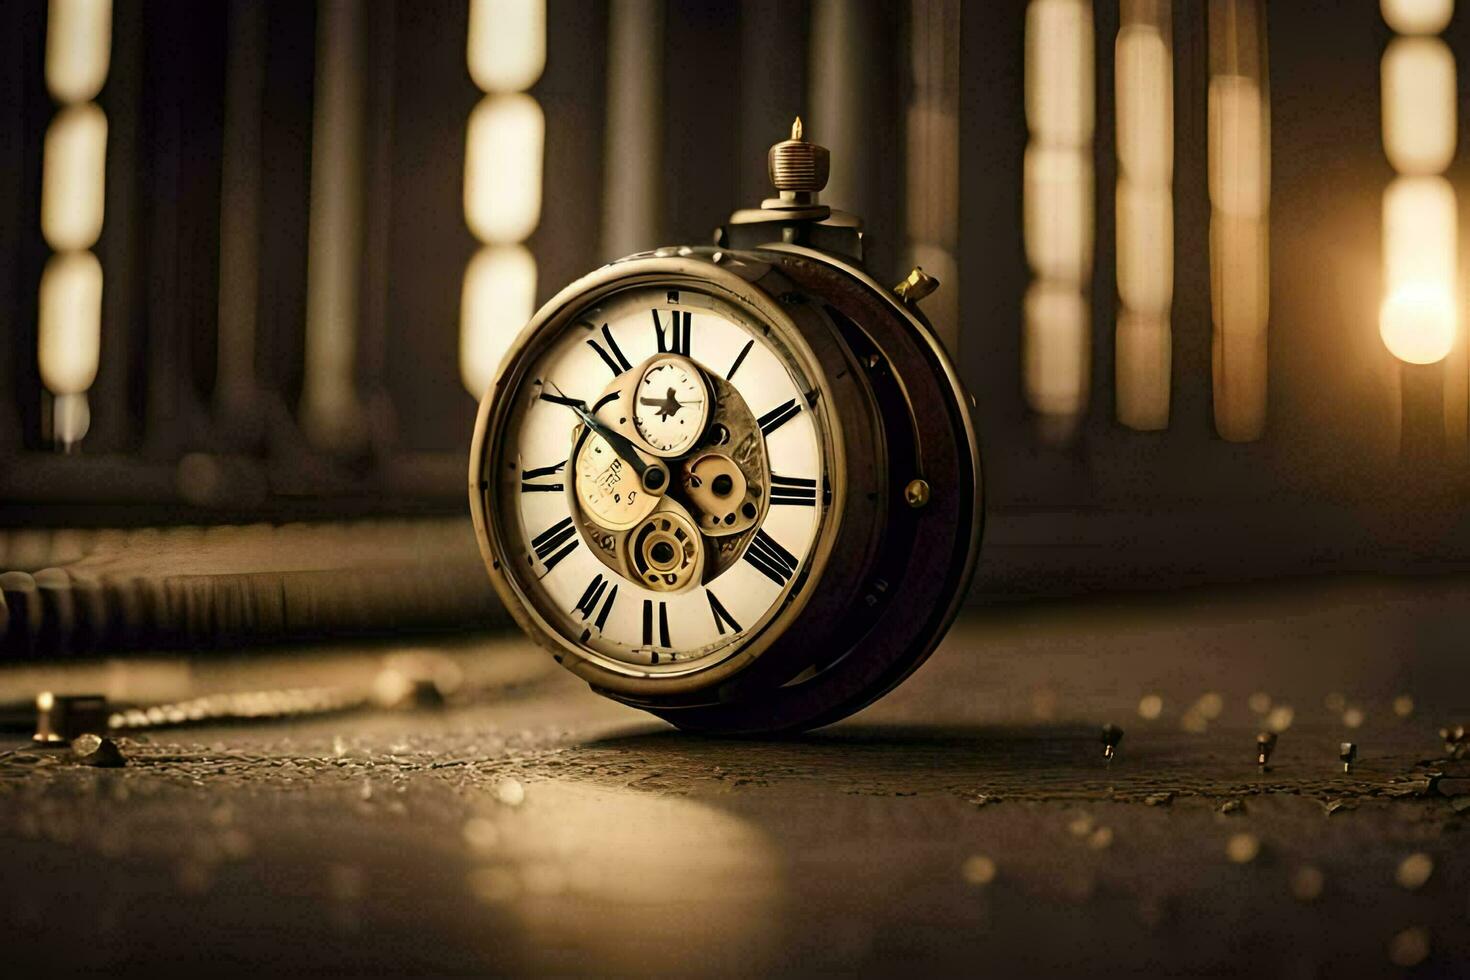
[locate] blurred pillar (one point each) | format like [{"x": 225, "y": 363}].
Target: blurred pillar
[
  {"x": 1058, "y": 208},
  {"x": 239, "y": 247},
  {"x": 632, "y": 171},
  {"x": 73, "y": 191},
  {"x": 1144, "y": 81},
  {"x": 331, "y": 414},
  {"x": 933, "y": 204},
  {"x": 1240, "y": 196}
]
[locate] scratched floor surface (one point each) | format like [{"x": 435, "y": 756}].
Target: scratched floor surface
[{"x": 967, "y": 823}]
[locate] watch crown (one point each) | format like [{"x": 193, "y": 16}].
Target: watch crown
[{"x": 798, "y": 167}]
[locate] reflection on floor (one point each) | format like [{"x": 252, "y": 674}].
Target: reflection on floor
[{"x": 968, "y": 821}]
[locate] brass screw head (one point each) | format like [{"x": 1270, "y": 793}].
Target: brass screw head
[
  {"x": 915, "y": 286},
  {"x": 917, "y": 493}
]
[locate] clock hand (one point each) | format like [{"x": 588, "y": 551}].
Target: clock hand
[{"x": 654, "y": 476}]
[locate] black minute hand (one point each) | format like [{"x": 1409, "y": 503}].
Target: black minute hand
[{"x": 654, "y": 476}]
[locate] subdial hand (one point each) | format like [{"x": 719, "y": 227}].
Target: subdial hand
[{"x": 653, "y": 475}]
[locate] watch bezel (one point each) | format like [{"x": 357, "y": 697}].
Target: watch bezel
[{"x": 721, "y": 280}]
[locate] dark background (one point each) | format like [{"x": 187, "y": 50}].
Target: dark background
[{"x": 1325, "y": 489}]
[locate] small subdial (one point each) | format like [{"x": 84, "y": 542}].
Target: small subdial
[
  {"x": 672, "y": 406},
  {"x": 608, "y": 488}
]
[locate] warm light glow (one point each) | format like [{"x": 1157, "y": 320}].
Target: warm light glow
[
  {"x": 1417, "y": 323},
  {"x": 1240, "y": 286},
  {"x": 1419, "y": 233},
  {"x": 1417, "y": 16},
  {"x": 1145, "y": 217},
  {"x": 498, "y": 299},
  {"x": 1059, "y": 95},
  {"x": 1240, "y": 194},
  {"x": 507, "y": 43},
  {"x": 78, "y": 48},
  {"x": 69, "y": 336},
  {"x": 1239, "y": 167},
  {"x": 73, "y": 177},
  {"x": 1144, "y": 207},
  {"x": 1058, "y": 213},
  {"x": 1058, "y": 345},
  {"x": 502, "y": 180},
  {"x": 1143, "y": 347},
  {"x": 1419, "y": 105},
  {"x": 1145, "y": 92}
]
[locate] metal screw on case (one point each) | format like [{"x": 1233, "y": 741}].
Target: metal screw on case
[{"x": 917, "y": 493}]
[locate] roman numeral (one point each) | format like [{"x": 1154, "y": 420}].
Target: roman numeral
[
  {"x": 547, "y": 543},
  {"x": 587, "y": 605},
  {"x": 739, "y": 360},
  {"x": 529, "y": 478},
  {"x": 770, "y": 559},
  {"x": 663, "y": 623},
  {"x": 777, "y": 417},
  {"x": 721, "y": 614},
  {"x": 793, "y": 490},
  {"x": 676, "y": 340},
  {"x": 613, "y": 355}
]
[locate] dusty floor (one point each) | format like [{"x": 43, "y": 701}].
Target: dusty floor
[{"x": 967, "y": 823}]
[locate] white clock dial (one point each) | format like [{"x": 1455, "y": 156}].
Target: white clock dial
[
  {"x": 682, "y": 337},
  {"x": 671, "y": 406}
]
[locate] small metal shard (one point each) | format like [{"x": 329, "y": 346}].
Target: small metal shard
[
  {"x": 1110, "y": 737},
  {"x": 1265, "y": 745},
  {"x": 96, "y": 750}
]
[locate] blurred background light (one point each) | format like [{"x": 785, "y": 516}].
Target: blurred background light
[
  {"x": 78, "y": 48},
  {"x": 1419, "y": 105},
  {"x": 1239, "y": 166},
  {"x": 502, "y": 182},
  {"x": 73, "y": 177},
  {"x": 1057, "y": 204},
  {"x": 1144, "y": 201},
  {"x": 498, "y": 299},
  {"x": 507, "y": 43},
  {"x": 1058, "y": 213},
  {"x": 1059, "y": 89},
  {"x": 1419, "y": 232},
  {"x": 1417, "y": 16},
  {"x": 69, "y": 339},
  {"x": 1058, "y": 347},
  {"x": 1418, "y": 321}
]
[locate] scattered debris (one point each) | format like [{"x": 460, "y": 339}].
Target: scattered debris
[
  {"x": 1158, "y": 799},
  {"x": 95, "y": 750},
  {"x": 1232, "y": 806},
  {"x": 1265, "y": 745},
  {"x": 1111, "y": 736},
  {"x": 1333, "y": 806},
  {"x": 984, "y": 799}
]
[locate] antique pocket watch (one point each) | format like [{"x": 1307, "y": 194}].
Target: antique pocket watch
[{"x": 735, "y": 485}]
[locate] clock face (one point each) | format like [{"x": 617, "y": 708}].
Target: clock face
[{"x": 659, "y": 484}]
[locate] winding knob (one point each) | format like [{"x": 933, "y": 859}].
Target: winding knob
[{"x": 798, "y": 167}]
